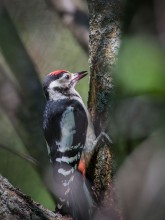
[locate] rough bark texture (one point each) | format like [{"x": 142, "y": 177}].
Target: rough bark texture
[
  {"x": 104, "y": 41},
  {"x": 99, "y": 171},
  {"x": 16, "y": 205}
]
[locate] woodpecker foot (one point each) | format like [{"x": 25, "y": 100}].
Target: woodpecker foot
[{"x": 102, "y": 138}]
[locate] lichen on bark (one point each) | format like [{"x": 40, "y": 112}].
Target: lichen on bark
[{"x": 104, "y": 42}]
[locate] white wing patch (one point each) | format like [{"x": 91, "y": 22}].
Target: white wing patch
[
  {"x": 67, "y": 129},
  {"x": 90, "y": 136},
  {"x": 67, "y": 132},
  {"x": 55, "y": 95}
]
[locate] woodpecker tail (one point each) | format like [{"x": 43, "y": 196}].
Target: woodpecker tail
[
  {"x": 82, "y": 200},
  {"x": 73, "y": 192}
]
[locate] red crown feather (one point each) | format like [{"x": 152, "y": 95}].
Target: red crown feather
[{"x": 56, "y": 72}]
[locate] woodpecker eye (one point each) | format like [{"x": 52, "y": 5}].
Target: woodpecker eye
[{"x": 67, "y": 76}]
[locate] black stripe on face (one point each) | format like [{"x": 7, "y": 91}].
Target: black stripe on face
[
  {"x": 48, "y": 79},
  {"x": 61, "y": 90},
  {"x": 65, "y": 91}
]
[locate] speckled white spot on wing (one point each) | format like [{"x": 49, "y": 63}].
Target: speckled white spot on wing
[
  {"x": 62, "y": 199},
  {"x": 59, "y": 206},
  {"x": 66, "y": 183},
  {"x": 65, "y": 172},
  {"x": 63, "y": 149},
  {"x": 68, "y": 159},
  {"x": 67, "y": 191}
]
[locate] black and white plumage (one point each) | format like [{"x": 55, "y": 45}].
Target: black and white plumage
[{"x": 68, "y": 131}]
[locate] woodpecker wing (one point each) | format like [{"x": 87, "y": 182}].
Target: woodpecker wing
[{"x": 65, "y": 126}]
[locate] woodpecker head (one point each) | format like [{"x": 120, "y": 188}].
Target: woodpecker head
[{"x": 61, "y": 83}]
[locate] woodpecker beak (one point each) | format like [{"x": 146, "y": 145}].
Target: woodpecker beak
[{"x": 77, "y": 76}]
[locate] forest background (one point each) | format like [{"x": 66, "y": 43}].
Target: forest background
[{"x": 137, "y": 94}]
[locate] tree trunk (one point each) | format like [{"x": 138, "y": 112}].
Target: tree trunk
[{"x": 104, "y": 42}]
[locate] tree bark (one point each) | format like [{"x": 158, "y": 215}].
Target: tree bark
[
  {"x": 104, "y": 42},
  {"x": 16, "y": 205}
]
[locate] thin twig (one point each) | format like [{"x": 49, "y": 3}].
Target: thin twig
[
  {"x": 73, "y": 18},
  {"x": 21, "y": 155}
]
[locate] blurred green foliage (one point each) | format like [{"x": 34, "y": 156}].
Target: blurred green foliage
[
  {"x": 139, "y": 87},
  {"x": 50, "y": 44},
  {"x": 141, "y": 67},
  {"x": 20, "y": 172}
]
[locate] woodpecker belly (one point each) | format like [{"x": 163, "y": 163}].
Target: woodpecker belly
[{"x": 65, "y": 126}]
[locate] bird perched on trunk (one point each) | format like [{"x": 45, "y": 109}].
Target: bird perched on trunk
[{"x": 68, "y": 132}]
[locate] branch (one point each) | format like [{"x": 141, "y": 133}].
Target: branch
[
  {"x": 73, "y": 18},
  {"x": 26, "y": 157},
  {"x": 16, "y": 205}
]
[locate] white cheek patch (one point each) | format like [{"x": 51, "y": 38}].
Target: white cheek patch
[
  {"x": 53, "y": 94},
  {"x": 58, "y": 83},
  {"x": 55, "y": 83}
]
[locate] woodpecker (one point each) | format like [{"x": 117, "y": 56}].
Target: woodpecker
[{"x": 68, "y": 132}]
